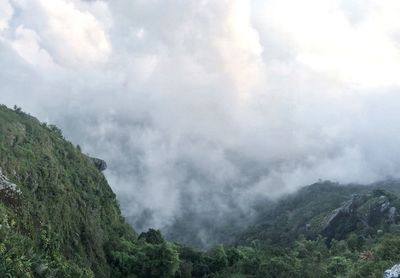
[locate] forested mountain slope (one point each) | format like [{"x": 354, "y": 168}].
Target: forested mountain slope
[
  {"x": 327, "y": 209},
  {"x": 59, "y": 217}
]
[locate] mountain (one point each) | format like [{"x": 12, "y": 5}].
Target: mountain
[
  {"x": 327, "y": 209},
  {"x": 60, "y": 218}
]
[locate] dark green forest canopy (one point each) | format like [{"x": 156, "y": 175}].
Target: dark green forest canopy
[{"x": 60, "y": 218}]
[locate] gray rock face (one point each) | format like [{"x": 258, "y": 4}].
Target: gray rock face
[
  {"x": 385, "y": 206},
  {"x": 392, "y": 214},
  {"x": 9, "y": 193},
  {"x": 394, "y": 272},
  {"x": 363, "y": 212},
  {"x": 5, "y": 184},
  {"x": 99, "y": 163},
  {"x": 345, "y": 214}
]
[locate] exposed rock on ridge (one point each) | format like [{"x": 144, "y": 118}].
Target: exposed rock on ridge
[
  {"x": 9, "y": 193},
  {"x": 99, "y": 163},
  {"x": 5, "y": 184},
  {"x": 394, "y": 272},
  {"x": 363, "y": 211}
]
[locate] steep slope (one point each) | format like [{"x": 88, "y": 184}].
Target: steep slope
[
  {"x": 59, "y": 217},
  {"x": 65, "y": 203}
]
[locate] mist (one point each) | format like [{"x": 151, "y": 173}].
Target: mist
[{"x": 202, "y": 108}]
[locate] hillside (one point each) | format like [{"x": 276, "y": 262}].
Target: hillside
[
  {"x": 59, "y": 217},
  {"x": 307, "y": 213}
]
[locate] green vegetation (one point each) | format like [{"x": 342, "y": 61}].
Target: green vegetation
[{"x": 63, "y": 220}]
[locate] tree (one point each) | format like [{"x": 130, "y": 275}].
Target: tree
[
  {"x": 17, "y": 109},
  {"x": 218, "y": 259},
  {"x": 152, "y": 236}
]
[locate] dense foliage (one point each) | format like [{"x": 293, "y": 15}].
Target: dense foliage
[{"x": 63, "y": 220}]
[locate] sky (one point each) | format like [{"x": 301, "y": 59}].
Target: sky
[{"x": 206, "y": 106}]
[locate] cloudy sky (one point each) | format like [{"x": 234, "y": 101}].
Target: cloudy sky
[{"x": 201, "y": 104}]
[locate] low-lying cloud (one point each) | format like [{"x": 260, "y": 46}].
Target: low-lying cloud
[{"x": 203, "y": 107}]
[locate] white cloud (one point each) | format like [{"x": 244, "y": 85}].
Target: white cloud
[
  {"x": 76, "y": 36},
  {"x": 239, "y": 47},
  {"x": 27, "y": 45},
  {"x": 363, "y": 54},
  {"x": 6, "y": 12}
]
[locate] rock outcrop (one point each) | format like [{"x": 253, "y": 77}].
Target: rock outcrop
[
  {"x": 6, "y": 185},
  {"x": 99, "y": 163},
  {"x": 9, "y": 193},
  {"x": 363, "y": 212},
  {"x": 344, "y": 217},
  {"x": 394, "y": 272}
]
